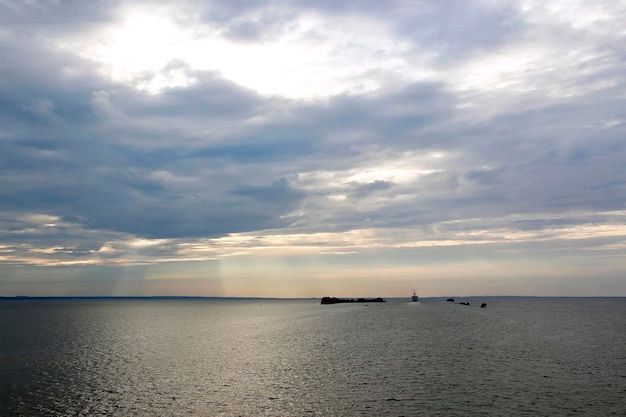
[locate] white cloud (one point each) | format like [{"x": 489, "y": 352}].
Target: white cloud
[{"x": 315, "y": 55}]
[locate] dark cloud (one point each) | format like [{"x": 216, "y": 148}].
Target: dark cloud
[
  {"x": 456, "y": 28},
  {"x": 279, "y": 194},
  {"x": 29, "y": 17}
]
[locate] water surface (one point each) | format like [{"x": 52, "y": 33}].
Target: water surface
[{"x": 518, "y": 356}]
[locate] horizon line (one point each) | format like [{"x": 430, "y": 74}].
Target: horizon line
[{"x": 43, "y": 297}]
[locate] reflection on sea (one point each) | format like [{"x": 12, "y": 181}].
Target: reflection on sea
[{"x": 518, "y": 356}]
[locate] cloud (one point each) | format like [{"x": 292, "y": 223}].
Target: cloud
[{"x": 152, "y": 132}]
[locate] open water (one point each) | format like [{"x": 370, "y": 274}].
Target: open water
[{"x": 517, "y": 357}]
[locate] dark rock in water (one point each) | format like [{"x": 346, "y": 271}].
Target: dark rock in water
[
  {"x": 483, "y": 305},
  {"x": 450, "y": 300},
  {"x": 335, "y": 300},
  {"x": 466, "y": 303}
]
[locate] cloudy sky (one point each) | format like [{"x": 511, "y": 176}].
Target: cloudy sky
[{"x": 297, "y": 148}]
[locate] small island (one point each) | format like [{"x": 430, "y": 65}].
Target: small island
[{"x": 335, "y": 300}]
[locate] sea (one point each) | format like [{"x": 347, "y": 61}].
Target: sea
[{"x": 518, "y": 356}]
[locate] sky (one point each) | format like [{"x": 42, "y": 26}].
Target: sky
[{"x": 297, "y": 148}]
